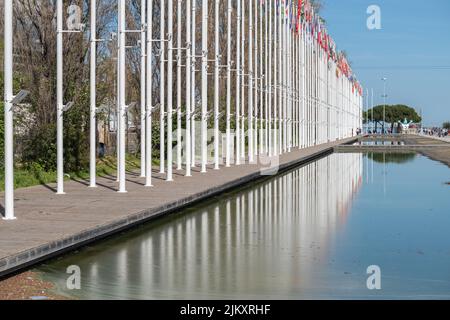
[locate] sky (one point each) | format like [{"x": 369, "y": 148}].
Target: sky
[{"x": 412, "y": 50}]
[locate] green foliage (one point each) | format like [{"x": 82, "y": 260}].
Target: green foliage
[
  {"x": 35, "y": 174},
  {"x": 446, "y": 125},
  {"x": 40, "y": 148},
  {"x": 394, "y": 113}
]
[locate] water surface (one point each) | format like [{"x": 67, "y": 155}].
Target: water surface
[{"x": 309, "y": 233}]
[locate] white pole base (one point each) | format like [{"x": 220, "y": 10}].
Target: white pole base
[
  {"x": 122, "y": 191},
  {"x": 9, "y": 219},
  {"x": 61, "y": 193}
]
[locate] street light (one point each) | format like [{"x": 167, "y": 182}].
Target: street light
[{"x": 384, "y": 105}]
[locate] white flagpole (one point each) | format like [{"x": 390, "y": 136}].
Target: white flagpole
[
  {"x": 250, "y": 83},
  {"x": 143, "y": 88},
  {"x": 228, "y": 116},
  {"x": 270, "y": 85},
  {"x": 204, "y": 90},
  {"x": 118, "y": 96},
  {"x": 169, "y": 176},
  {"x": 372, "y": 106},
  {"x": 285, "y": 81},
  {"x": 92, "y": 118},
  {"x": 276, "y": 82},
  {"x": 262, "y": 103},
  {"x": 193, "y": 92},
  {"x": 290, "y": 83},
  {"x": 244, "y": 73},
  {"x": 216, "y": 84},
  {"x": 259, "y": 86},
  {"x": 266, "y": 78},
  {"x": 238, "y": 83},
  {"x": 149, "y": 96},
  {"x": 60, "y": 98},
  {"x": 162, "y": 82},
  {"x": 122, "y": 75},
  {"x": 277, "y": 79},
  {"x": 256, "y": 77},
  {"x": 280, "y": 81},
  {"x": 303, "y": 87},
  {"x": 179, "y": 114},
  {"x": 188, "y": 87},
  {"x": 9, "y": 115}
]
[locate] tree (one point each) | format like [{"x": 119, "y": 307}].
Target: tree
[
  {"x": 446, "y": 125},
  {"x": 393, "y": 114}
]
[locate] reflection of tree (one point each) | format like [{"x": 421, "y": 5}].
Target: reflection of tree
[{"x": 392, "y": 157}]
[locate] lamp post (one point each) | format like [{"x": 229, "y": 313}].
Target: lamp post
[{"x": 384, "y": 102}]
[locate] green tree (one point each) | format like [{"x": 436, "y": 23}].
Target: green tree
[
  {"x": 446, "y": 125},
  {"x": 394, "y": 114}
]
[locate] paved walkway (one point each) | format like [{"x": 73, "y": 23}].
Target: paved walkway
[
  {"x": 49, "y": 224},
  {"x": 445, "y": 139}
]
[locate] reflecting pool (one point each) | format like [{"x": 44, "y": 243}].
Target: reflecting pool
[{"x": 310, "y": 233}]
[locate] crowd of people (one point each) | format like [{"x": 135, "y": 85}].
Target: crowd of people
[{"x": 438, "y": 132}]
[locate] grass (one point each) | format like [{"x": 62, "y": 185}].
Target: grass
[{"x": 36, "y": 176}]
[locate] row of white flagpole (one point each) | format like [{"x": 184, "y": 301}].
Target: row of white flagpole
[
  {"x": 287, "y": 94},
  {"x": 305, "y": 103}
]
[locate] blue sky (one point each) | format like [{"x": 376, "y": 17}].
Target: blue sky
[{"x": 412, "y": 50}]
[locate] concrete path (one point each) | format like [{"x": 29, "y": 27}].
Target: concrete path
[{"x": 48, "y": 224}]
